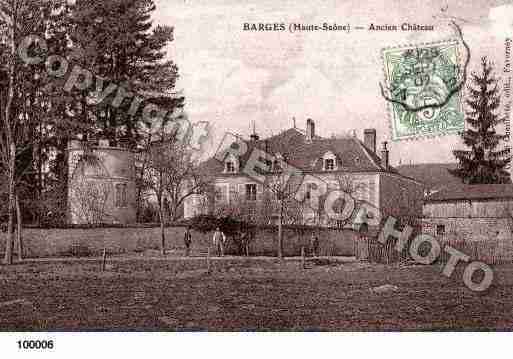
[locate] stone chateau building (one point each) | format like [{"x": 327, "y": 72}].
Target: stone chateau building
[{"x": 379, "y": 186}]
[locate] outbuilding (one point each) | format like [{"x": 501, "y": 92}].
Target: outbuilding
[{"x": 470, "y": 213}]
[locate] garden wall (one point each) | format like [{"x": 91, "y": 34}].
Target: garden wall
[{"x": 91, "y": 242}]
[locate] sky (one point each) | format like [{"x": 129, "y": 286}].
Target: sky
[{"x": 232, "y": 78}]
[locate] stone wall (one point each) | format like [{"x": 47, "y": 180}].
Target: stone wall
[
  {"x": 493, "y": 208},
  {"x": 84, "y": 242},
  {"x": 469, "y": 229}
]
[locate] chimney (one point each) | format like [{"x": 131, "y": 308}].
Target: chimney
[
  {"x": 254, "y": 137},
  {"x": 369, "y": 139},
  {"x": 310, "y": 130},
  {"x": 268, "y": 157},
  {"x": 385, "y": 156}
]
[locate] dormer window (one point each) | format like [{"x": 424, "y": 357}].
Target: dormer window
[
  {"x": 277, "y": 163},
  {"x": 229, "y": 167},
  {"x": 231, "y": 164},
  {"x": 329, "y": 161}
]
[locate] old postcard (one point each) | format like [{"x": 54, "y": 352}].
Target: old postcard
[{"x": 254, "y": 166}]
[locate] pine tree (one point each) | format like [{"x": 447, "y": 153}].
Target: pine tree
[
  {"x": 120, "y": 44},
  {"x": 485, "y": 162}
]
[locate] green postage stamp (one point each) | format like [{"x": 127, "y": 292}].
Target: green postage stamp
[{"x": 423, "y": 82}]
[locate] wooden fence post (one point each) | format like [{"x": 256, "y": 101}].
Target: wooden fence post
[
  {"x": 208, "y": 259},
  {"x": 104, "y": 259}
]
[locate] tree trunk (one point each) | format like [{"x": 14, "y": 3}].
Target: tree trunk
[
  {"x": 280, "y": 232},
  {"x": 138, "y": 204},
  {"x": 39, "y": 172},
  {"x": 162, "y": 228},
  {"x": 19, "y": 229},
  {"x": 10, "y": 145},
  {"x": 139, "y": 193},
  {"x": 11, "y": 204},
  {"x": 163, "y": 238}
]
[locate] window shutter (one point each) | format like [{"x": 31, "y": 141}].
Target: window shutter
[
  {"x": 233, "y": 192},
  {"x": 372, "y": 191},
  {"x": 241, "y": 192},
  {"x": 260, "y": 192}
]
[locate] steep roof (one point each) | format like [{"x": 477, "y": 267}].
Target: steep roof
[
  {"x": 352, "y": 155},
  {"x": 472, "y": 192},
  {"x": 433, "y": 175}
]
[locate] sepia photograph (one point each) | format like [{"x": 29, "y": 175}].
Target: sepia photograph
[{"x": 193, "y": 168}]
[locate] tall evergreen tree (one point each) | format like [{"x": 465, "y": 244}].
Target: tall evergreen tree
[
  {"x": 485, "y": 162},
  {"x": 120, "y": 44}
]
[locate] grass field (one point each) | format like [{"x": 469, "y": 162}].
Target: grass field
[{"x": 253, "y": 294}]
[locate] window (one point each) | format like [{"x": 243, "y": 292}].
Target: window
[
  {"x": 329, "y": 161},
  {"x": 121, "y": 195},
  {"x": 279, "y": 162},
  {"x": 276, "y": 166},
  {"x": 221, "y": 193},
  {"x": 440, "y": 230},
  {"x": 329, "y": 164},
  {"x": 251, "y": 192},
  {"x": 309, "y": 188},
  {"x": 230, "y": 167}
]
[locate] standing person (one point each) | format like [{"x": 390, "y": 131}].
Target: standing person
[
  {"x": 314, "y": 244},
  {"x": 245, "y": 243},
  {"x": 187, "y": 239},
  {"x": 219, "y": 240}
]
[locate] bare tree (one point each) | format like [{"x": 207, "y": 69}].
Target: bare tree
[
  {"x": 283, "y": 185},
  {"x": 173, "y": 175},
  {"x": 18, "y": 18},
  {"x": 89, "y": 199},
  {"x": 10, "y": 137},
  {"x": 89, "y": 189},
  {"x": 354, "y": 190}
]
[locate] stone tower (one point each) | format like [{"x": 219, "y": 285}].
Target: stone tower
[{"x": 101, "y": 184}]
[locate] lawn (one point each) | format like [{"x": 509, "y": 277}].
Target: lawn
[{"x": 254, "y": 294}]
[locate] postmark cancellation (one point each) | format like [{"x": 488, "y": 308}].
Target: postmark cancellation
[{"x": 423, "y": 82}]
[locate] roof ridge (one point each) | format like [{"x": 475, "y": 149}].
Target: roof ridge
[
  {"x": 367, "y": 152},
  {"x": 464, "y": 191},
  {"x": 428, "y": 164}
]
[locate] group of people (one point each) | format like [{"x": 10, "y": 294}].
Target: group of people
[{"x": 219, "y": 242}]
